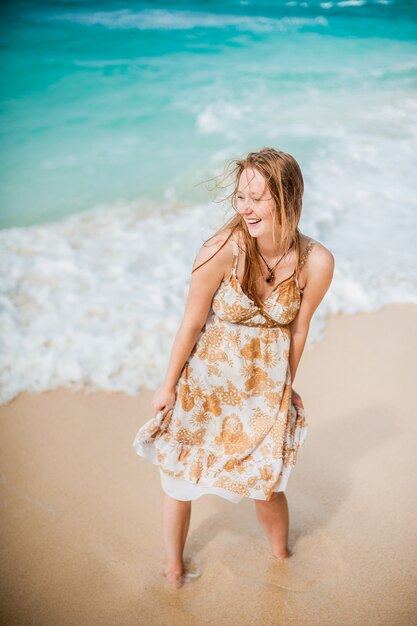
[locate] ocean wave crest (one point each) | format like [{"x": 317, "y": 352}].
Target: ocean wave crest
[{"x": 161, "y": 19}]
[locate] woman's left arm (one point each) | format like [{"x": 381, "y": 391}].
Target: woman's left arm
[{"x": 319, "y": 269}]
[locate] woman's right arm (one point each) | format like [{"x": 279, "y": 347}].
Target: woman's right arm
[{"x": 203, "y": 284}]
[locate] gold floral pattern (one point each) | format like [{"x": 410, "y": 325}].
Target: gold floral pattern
[
  {"x": 232, "y": 436},
  {"x": 234, "y": 428}
]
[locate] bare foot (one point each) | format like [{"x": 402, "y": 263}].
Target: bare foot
[
  {"x": 175, "y": 575},
  {"x": 282, "y": 555}
]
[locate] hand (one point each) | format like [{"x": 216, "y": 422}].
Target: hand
[
  {"x": 163, "y": 399},
  {"x": 296, "y": 399}
]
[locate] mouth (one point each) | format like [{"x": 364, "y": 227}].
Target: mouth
[{"x": 253, "y": 222}]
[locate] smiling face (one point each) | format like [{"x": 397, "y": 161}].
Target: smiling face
[{"x": 255, "y": 203}]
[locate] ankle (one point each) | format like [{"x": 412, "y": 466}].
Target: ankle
[
  {"x": 282, "y": 553},
  {"x": 174, "y": 567}
]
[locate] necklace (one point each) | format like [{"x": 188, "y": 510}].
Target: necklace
[{"x": 270, "y": 275}]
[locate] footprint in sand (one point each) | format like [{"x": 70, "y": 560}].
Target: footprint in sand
[{"x": 315, "y": 561}]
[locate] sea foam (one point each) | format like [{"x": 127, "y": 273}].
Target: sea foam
[
  {"x": 94, "y": 301},
  {"x": 160, "y": 19}
]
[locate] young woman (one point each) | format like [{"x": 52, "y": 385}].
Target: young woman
[{"x": 226, "y": 419}]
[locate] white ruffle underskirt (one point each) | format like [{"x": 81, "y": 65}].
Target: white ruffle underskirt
[{"x": 185, "y": 490}]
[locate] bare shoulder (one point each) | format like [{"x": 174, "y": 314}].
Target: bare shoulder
[
  {"x": 215, "y": 253},
  {"x": 318, "y": 256},
  {"x": 216, "y": 241}
]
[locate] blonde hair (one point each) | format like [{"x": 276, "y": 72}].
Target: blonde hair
[{"x": 284, "y": 181}]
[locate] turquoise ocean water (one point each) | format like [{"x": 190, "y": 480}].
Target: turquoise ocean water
[
  {"x": 139, "y": 101},
  {"x": 112, "y": 115}
]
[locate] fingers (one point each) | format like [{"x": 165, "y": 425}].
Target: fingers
[
  {"x": 298, "y": 402},
  {"x": 296, "y": 399},
  {"x": 162, "y": 409}
]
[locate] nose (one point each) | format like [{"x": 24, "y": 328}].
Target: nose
[{"x": 247, "y": 206}]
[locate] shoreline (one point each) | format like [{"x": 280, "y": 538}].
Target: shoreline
[
  {"x": 81, "y": 532},
  {"x": 145, "y": 390}
]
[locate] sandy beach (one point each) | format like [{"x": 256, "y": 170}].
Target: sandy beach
[{"x": 81, "y": 524}]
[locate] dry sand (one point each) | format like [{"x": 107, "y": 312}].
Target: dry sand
[{"x": 81, "y": 523}]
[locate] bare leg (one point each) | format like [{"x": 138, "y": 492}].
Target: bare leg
[
  {"x": 176, "y": 521},
  {"x": 273, "y": 516}
]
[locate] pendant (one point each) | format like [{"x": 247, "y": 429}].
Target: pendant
[{"x": 269, "y": 278}]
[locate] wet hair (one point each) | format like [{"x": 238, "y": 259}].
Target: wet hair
[{"x": 285, "y": 183}]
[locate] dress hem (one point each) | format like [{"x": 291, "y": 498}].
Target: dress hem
[{"x": 193, "y": 491}]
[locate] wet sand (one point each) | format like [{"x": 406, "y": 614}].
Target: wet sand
[{"x": 81, "y": 536}]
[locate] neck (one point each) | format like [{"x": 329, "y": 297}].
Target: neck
[{"x": 267, "y": 247}]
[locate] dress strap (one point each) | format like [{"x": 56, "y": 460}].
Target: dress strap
[
  {"x": 305, "y": 254},
  {"x": 235, "y": 249}
]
